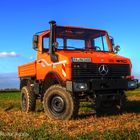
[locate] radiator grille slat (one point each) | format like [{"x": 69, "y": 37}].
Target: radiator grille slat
[{"x": 91, "y": 70}]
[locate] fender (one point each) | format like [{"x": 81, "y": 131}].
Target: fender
[
  {"x": 24, "y": 81},
  {"x": 52, "y": 78}
]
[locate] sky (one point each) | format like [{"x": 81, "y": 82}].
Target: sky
[{"x": 20, "y": 19}]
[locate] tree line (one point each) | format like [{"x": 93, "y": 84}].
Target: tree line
[{"x": 9, "y": 90}]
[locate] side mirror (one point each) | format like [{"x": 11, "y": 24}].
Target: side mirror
[
  {"x": 117, "y": 49},
  {"x": 35, "y": 42}
]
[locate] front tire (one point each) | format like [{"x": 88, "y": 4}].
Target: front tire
[
  {"x": 60, "y": 104},
  {"x": 28, "y": 100}
]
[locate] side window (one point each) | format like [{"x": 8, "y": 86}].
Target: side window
[{"x": 46, "y": 43}]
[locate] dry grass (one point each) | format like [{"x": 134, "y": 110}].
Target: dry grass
[
  {"x": 13, "y": 120},
  {"x": 18, "y": 121}
]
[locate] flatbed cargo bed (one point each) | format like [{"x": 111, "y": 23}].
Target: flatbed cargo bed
[{"x": 27, "y": 70}]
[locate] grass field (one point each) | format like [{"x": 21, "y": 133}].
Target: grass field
[{"x": 15, "y": 124}]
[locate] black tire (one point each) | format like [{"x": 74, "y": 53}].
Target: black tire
[
  {"x": 28, "y": 100},
  {"x": 121, "y": 105},
  {"x": 117, "y": 106},
  {"x": 60, "y": 104},
  {"x": 105, "y": 108}
]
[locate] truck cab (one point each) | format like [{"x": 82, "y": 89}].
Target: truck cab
[{"x": 74, "y": 63}]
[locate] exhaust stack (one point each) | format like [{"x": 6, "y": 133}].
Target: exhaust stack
[{"x": 52, "y": 41}]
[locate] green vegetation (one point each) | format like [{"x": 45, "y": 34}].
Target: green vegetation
[
  {"x": 10, "y": 100},
  {"x": 15, "y": 124},
  {"x": 133, "y": 92},
  {"x": 9, "y": 95},
  {"x": 138, "y": 84},
  {"x": 113, "y": 135}
]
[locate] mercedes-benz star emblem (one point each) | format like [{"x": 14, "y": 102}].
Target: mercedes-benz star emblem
[{"x": 103, "y": 70}]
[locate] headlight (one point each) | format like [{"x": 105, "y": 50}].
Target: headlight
[
  {"x": 80, "y": 86},
  {"x": 81, "y": 59}
]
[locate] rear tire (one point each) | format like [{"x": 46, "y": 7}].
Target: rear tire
[
  {"x": 28, "y": 100},
  {"x": 105, "y": 108},
  {"x": 60, "y": 104},
  {"x": 117, "y": 107}
]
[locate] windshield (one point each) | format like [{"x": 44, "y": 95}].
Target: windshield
[
  {"x": 81, "y": 39},
  {"x": 70, "y": 38},
  {"x": 95, "y": 44}
]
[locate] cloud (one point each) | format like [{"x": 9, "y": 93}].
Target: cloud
[{"x": 8, "y": 54}]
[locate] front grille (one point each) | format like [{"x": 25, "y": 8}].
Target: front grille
[{"x": 91, "y": 70}]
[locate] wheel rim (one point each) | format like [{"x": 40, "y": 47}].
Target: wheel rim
[
  {"x": 57, "y": 105},
  {"x": 24, "y": 106}
]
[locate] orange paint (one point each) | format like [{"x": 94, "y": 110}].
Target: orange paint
[{"x": 43, "y": 65}]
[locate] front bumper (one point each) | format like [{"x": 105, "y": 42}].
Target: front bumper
[{"x": 99, "y": 84}]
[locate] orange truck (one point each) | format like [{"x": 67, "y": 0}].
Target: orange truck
[{"x": 74, "y": 64}]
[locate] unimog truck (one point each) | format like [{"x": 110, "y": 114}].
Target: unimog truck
[{"x": 74, "y": 64}]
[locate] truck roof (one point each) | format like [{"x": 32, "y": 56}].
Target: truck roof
[
  {"x": 84, "y": 28},
  {"x": 77, "y": 32},
  {"x": 75, "y": 28}
]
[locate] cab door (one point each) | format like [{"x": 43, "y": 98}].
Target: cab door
[{"x": 44, "y": 64}]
